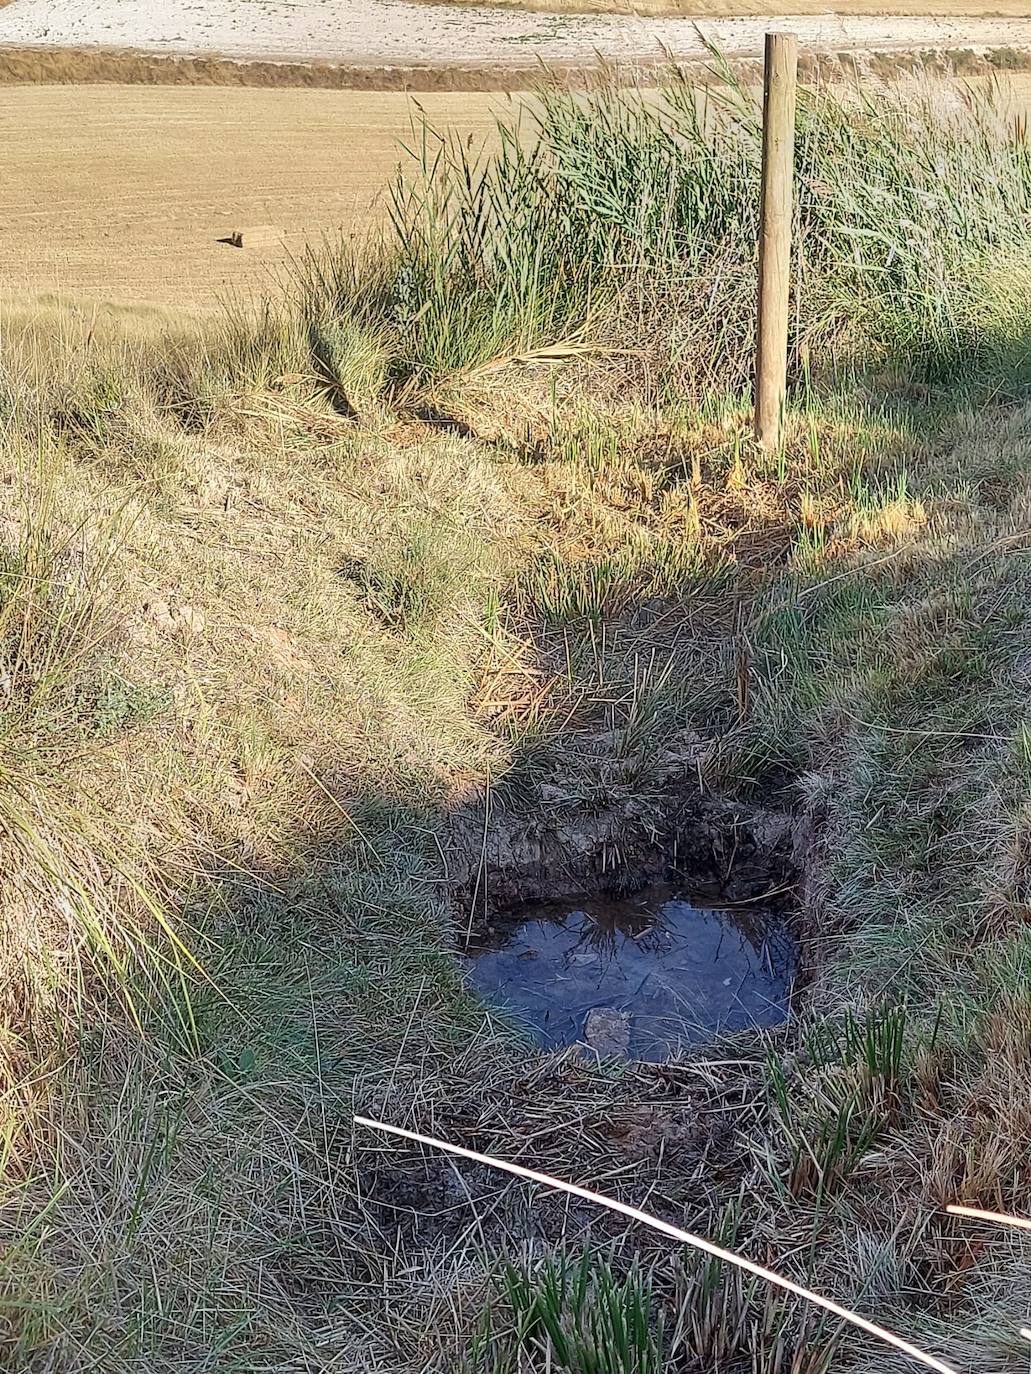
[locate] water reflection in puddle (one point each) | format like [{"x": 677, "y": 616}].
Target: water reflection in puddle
[{"x": 642, "y": 976}]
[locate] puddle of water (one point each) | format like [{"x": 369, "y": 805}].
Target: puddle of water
[{"x": 646, "y": 975}]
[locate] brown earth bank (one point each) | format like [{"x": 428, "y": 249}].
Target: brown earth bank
[{"x": 82, "y": 66}]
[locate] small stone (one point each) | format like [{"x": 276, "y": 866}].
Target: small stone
[{"x": 607, "y": 1031}]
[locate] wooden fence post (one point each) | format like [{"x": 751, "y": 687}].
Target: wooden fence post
[{"x": 778, "y": 176}]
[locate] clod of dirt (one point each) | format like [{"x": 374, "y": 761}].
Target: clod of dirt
[
  {"x": 166, "y": 619},
  {"x": 159, "y": 613},
  {"x": 257, "y": 236},
  {"x": 191, "y": 618}
]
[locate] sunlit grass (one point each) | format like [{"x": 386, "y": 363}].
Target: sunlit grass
[{"x": 626, "y": 223}]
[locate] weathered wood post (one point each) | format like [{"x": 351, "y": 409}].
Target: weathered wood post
[{"x": 778, "y": 176}]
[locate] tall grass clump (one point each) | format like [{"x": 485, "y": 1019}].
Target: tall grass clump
[
  {"x": 571, "y": 1315},
  {"x": 625, "y": 221},
  {"x": 80, "y": 922}
]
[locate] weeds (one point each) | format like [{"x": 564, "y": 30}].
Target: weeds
[
  {"x": 722, "y": 1320},
  {"x": 478, "y": 512},
  {"x": 609, "y": 220},
  {"x": 853, "y": 1092},
  {"x": 569, "y": 1315}
]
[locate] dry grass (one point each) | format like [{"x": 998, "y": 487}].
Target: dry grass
[
  {"x": 258, "y": 646},
  {"x": 290, "y": 594}
]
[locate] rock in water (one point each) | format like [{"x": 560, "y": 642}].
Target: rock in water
[{"x": 607, "y": 1031}]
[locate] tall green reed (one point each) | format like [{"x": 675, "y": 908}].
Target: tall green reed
[{"x": 627, "y": 219}]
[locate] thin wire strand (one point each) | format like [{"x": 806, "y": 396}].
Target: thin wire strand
[
  {"x": 656, "y": 1224},
  {"x": 977, "y": 1214}
]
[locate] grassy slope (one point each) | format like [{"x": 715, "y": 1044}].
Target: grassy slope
[{"x": 256, "y": 650}]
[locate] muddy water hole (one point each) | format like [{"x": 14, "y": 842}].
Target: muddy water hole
[
  {"x": 643, "y": 977},
  {"x": 639, "y": 931}
]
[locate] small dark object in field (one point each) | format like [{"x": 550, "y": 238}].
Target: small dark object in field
[{"x": 258, "y": 236}]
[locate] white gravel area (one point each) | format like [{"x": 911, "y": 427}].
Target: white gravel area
[{"x": 394, "y": 32}]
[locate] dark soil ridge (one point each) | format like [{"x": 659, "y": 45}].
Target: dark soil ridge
[
  {"x": 21, "y": 65},
  {"x": 610, "y": 840}
]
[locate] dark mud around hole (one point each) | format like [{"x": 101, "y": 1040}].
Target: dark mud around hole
[{"x": 644, "y": 977}]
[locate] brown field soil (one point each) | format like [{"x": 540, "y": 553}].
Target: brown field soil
[{"x": 122, "y": 193}]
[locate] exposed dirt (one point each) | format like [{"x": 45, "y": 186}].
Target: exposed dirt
[
  {"x": 677, "y": 1133},
  {"x": 21, "y": 66},
  {"x": 615, "y": 838},
  {"x": 58, "y": 66},
  {"x": 123, "y": 193}
]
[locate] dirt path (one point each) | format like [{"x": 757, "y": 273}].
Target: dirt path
[{"x": 399, "y": 33}]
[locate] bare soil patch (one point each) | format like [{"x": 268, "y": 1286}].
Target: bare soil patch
[
  {"x": 60, "y": 66},
  {"x": 123, "y": 193}
]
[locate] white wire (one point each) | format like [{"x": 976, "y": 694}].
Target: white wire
[{"x": 656, "y": 1224}]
